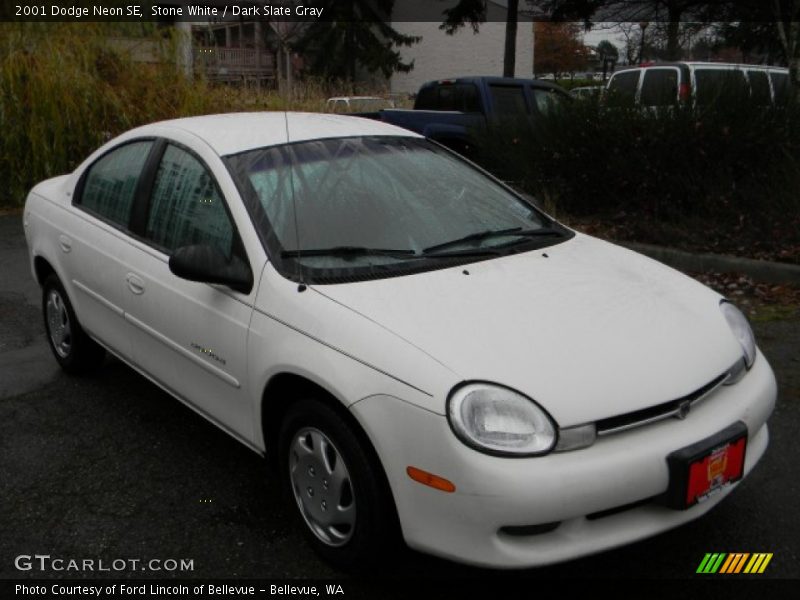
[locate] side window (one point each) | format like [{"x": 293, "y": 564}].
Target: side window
[
  {"x": 186, "y": 207},
  {"x": 780, "y": 85},
  {"x": 467, "y": 98},
  {"x": 546, "y": 100},
  {"x": 622, "y": 89},
  {"x": 713, "y": 83},
  {"x": 447, "y": 98},
  {"x": 110, "y": 183},
  {"x": 759, "y": 87},
  {"x": 660, "y": 87},
  {"x": 508, "y": 101}
]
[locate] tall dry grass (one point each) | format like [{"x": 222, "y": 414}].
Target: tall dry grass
[{"x": 64, "y": 90}]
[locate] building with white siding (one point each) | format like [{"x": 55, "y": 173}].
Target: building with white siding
[{"x": 465, "y": 53}]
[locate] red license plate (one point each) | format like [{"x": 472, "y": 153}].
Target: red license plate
[{"x": 699, "y": 471}]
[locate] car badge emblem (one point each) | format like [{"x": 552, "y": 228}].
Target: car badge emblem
[{"x": 683, "y": 410}]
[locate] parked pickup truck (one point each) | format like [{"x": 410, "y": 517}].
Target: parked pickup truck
[{"x": 453, "y": 111}]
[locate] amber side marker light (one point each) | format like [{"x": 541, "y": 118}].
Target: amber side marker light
[{"x": 431, "y": 480}]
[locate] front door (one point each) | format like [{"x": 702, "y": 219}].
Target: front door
[{"x": 190, "y": 337}]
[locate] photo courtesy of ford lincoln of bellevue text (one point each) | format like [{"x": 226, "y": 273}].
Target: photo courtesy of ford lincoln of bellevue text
[{"x": 422, "y": 353}]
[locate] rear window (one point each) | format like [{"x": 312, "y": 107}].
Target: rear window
[
  {"x": 711, "y": 84},
  {"x": 622, "y": 88},
  {"x": 660, "y": 87},
  {"x": 759, "y": 87},
  {"x": 461, "y": 97}
]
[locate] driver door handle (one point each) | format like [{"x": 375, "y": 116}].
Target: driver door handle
[{"x": 135, "y": 284}]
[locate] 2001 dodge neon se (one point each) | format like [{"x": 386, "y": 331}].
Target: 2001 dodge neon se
[{"x": 422, "y": 352}]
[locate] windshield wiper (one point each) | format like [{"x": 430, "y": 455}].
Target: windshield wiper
[
  {"x": 492, "y": 233},
  {"x": 347, "y": 251}
]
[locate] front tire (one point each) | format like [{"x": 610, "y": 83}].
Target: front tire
[
  {"x": 336, "y": 486},
  {"x": 74, "y": 350}
]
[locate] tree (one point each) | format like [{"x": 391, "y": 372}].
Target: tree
[
  {"x": 607, "y": 50},
  {"x": 783, "y": 14},
  {"x": 787, "y": 22},
  {"x": 671, "y": 16},
  {"x": 558, "y": 48},
  {"x": 355, "y": 32},
  {"x": 474, "y": 13},
  {"x": 755, "y": 40}
]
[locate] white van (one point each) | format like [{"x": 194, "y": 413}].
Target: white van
[{"x": 666, "y": 84}]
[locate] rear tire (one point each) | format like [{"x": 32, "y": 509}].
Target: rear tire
[
  {"x": 75, "y": 351},
  {"x": 336, "y": 487}
]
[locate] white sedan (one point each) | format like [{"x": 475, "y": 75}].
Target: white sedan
[{"x": 421, "y": 353}]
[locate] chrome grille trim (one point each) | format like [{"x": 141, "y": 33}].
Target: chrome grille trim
[{"x": 678, "y": 409}]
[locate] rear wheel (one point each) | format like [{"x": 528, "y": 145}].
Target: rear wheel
[
  {"x": 337, "y": 487},
  {"x": 75, "y": 351}
]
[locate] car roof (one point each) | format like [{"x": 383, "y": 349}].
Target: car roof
[
  {"x": 697, "y": 63},
  {"x": 232, "y": 133},
  {"x": 490, "y": 79}
]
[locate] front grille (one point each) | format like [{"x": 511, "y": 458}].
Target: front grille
[{"x": 674, "y": 408}]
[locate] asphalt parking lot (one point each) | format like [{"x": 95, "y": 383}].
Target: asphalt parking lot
[{"x": 110, "y": 466}]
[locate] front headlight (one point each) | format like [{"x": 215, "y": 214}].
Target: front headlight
[
  {"x": 740, "y": 327},
  {"x": 497, "y": 420}
]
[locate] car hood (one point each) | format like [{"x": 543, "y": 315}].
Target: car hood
[{"x": 586, "y": 328}]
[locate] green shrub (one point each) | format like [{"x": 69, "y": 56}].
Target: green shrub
[{"x": 731, "y": 162}]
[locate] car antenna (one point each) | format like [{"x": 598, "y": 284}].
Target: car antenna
[{"x": 301, "y": 287}]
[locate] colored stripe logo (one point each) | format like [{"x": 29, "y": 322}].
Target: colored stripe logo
[{"x": 734, "y": 563}]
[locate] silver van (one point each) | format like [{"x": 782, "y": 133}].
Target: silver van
[{"x": 667, "y": 84}]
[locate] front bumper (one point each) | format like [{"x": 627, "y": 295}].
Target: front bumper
[{"x": 571, "y": 488}]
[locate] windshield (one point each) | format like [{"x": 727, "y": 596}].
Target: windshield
[{"x": 362, "y": 207}]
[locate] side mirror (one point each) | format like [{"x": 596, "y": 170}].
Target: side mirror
[{"x": 207, "y": 264}]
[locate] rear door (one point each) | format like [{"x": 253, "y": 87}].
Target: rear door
[
  {"x": 659, "y": 87},
  {"x": 95, "y": 241},
  {"x": 510, "y": 103},
  {"x": 623, "y": 89}
]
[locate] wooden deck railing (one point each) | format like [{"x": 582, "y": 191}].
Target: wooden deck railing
[{"x": 234, "y": 61}]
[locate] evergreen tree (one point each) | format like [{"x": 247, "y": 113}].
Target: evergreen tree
[{"x": 355, "y": 32}]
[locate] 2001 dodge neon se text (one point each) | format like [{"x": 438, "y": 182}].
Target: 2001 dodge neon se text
[{"x": 422, "y": 353}]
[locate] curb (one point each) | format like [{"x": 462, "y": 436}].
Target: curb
[{"x": 759, "y": 270}]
